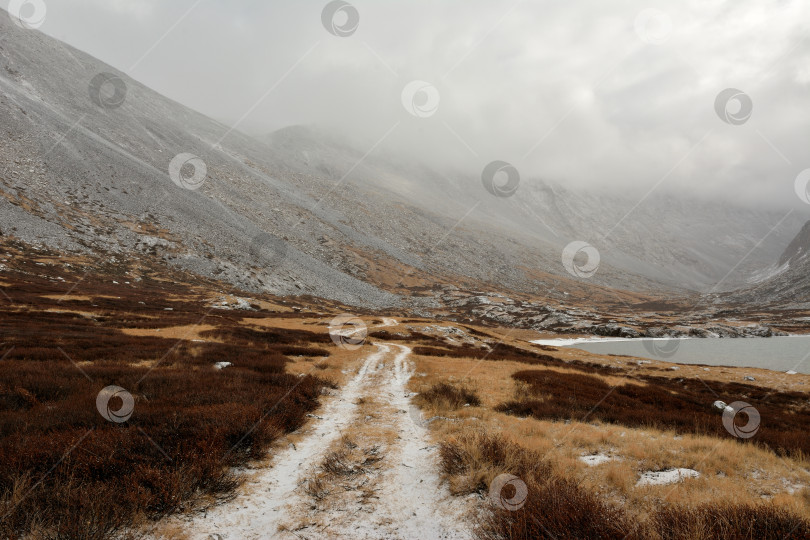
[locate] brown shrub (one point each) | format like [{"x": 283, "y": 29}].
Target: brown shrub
[
  {"x": 559, "y": 509},
  {"x": 682, "y": 405},
  {"x": 412, "y": 336},
  {"x": 730, "y": 522},
  {"x": 554, "y": 507},
  {"x": 188, "y": 429},
  {"x": 500, "y": 351},
  {"x": 66, "y": 472},
  {"x": 249, "y": 336},
  {"x": 504, "y": 352}
]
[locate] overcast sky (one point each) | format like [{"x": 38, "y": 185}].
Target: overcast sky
[{"x": 604, "y": 94}]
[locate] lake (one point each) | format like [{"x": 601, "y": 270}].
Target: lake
[{"x": 776, "y": 353}]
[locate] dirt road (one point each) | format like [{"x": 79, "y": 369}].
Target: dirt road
[{"x": 363, "y": 469}]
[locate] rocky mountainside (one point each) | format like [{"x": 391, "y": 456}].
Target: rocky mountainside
[
  {"x": 786, "y": 283},
  {"x": 679, "y": 241},
  {"x": 91, "y": 161},
  {"x": 798, "y": 249}
]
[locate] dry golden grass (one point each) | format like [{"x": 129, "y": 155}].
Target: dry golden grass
[
  {"x": 498, "y": 376},
  {"x": 747, "y": 473},
  {"x": 338, "y": 368},
  {"x": 188, "y": 332},
  {"x": 68, "y": 297}
]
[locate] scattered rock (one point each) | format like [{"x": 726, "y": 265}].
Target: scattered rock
[
  {"x": 700, "y": 333},
  {"x": 721, "y": 406},
  {"x": 656, "y": 332},
  {"x": 241, "y": 304},
  {"x": 613, "y": 330}
]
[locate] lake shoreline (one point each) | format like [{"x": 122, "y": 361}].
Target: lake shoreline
[{"x": 779, "y": 354}]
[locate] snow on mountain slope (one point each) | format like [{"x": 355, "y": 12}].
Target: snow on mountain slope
[
  {"x": 785, "y": 283},
  {"x": 83, "y": 168},
  {"x": 682, "y": 241}
]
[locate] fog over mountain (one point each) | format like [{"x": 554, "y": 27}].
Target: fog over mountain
[{"x": 616, "y": 97}]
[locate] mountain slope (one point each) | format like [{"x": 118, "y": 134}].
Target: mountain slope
[
  {"x": 786, "y": 283},
  {"x": 300, "y": 212},
  {"x": 798, "y": 249},
  {"x": 681, "y": 241}
]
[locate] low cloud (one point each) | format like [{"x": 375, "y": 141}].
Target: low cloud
[{"x": 589, "y": 94}]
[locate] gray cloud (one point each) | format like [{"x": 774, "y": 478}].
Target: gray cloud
[{"x": 568, "y": 92}]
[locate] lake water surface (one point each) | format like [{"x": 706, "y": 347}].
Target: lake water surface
[{"x": 776, "y": 353}]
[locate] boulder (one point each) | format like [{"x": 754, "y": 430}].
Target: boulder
[
  {"x": 614, "y": 330},
  {"x": 719, "y": 405},
  {"x": 699, "y": 333},
  {"x": 656, "y": 332}
]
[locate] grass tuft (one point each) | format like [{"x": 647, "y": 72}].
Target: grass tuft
[{"x": 447, "y": 396}]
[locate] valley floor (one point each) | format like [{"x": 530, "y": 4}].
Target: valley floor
[{"x": 249, "y": 421}]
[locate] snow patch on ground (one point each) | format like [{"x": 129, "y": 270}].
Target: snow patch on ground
[
  {"x": 596, "y": 459},
  {"x": 663, "y": 478}
]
